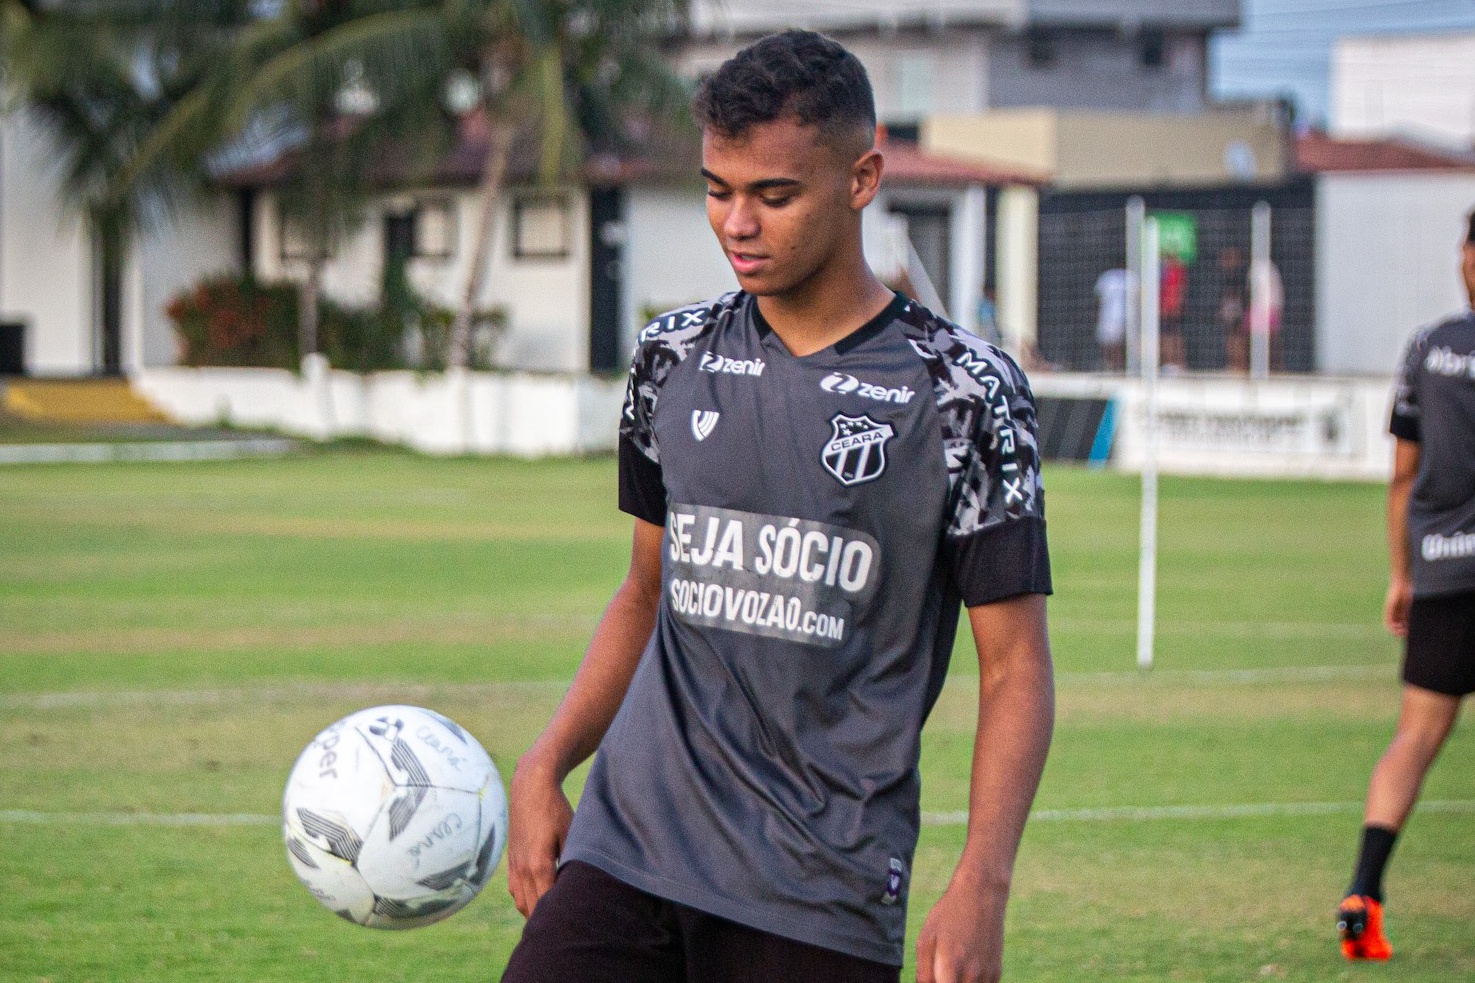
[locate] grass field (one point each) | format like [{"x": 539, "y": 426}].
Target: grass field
[{"x": 172, "y": 635}]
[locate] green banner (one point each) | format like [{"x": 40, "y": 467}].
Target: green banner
[{"x": 1177, "y": 234}]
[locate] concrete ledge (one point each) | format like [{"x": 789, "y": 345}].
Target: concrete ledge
[
  {"x": 455, "y": 412},
  {"x": 162, "y": 450}
]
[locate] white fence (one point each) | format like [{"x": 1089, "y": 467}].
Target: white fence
[
  {"x": 1283, "y": 427},
  {"x": 457, "y": 412}
]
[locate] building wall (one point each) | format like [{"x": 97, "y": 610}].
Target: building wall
[
  {"x": 750, "y": 18},
  {"x": 1387, "y": 263},
  {"x": 45, "y": 256},
  {"x": 1105, "y": 150},
  {"x": 914, "y": 73},
  {"x": 546, "y": 299},
  {"x": 169, "y": 260},
  {"x": 1421, "y": 86},
  {"x": 757, "y": 16},
  {"x": 671, "y": 256},
  {"x": 1097, "y": 69},
  {"x": 1131, "y": 13}
]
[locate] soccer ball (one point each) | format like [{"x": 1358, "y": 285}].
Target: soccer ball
[{"x": 394, "y": 817}]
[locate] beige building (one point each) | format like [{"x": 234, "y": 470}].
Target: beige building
[{"x": 1083, "y": 149}]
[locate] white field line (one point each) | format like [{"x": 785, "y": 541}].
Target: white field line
[
  {"x": 1266, "y": 630},
  {"x": 383, "y": 692},
  {"x": 182, "y": 450},
  {"x": 1252, "y": 810},
  {"x": 409, "y": 692},
  {"x": 138, "y": 818}
]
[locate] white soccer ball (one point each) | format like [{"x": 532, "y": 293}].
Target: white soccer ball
[{"x": 394, "y": 817}]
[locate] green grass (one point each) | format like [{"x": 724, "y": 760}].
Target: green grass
[{"x": 172, "y": 635}]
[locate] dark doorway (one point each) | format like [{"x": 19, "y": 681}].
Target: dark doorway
[
  {"x": 12, "y": 348},
  {"x": 606, "y": 247},
  {"x": 399, "y": 238}
]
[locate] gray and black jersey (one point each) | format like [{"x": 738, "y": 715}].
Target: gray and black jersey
[
  {"x": 1434, "y": 404},
  {"x": 824, "y": 516}
]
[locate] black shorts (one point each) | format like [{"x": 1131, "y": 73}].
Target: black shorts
[
  {"x": 592, "y": 928},
  {"x": 1440, "y": 652}
]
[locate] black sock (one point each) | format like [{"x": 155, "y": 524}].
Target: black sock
[{"x": 1377, "y": 846}]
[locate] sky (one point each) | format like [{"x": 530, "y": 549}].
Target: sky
[{"x": 1284, "y": 47}]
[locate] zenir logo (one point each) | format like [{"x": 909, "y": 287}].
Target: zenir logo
[
  {"x": 845, "y": 383},
  {"x": 703, "y": 422}
]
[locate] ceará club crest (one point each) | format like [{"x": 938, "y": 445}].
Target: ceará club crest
[{"x": 856, "y": 451}]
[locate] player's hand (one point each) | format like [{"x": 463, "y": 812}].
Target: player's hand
[
  {"x": 1396, "y": 607},
  {"x": 962, "y": 940},
  {"x": 538, "y": 821}
]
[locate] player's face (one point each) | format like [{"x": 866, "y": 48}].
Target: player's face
[{"x": 785, "y": 204}]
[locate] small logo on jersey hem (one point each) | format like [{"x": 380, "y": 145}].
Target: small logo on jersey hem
[
  {"x": 895, "y": 875},
  {"x": 856, "y": 451},
  {"x": 703, "y": 422}
]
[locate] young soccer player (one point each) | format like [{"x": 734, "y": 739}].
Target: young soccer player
[
  {"x": 820, "y": 471},
  {"x": 1431, "y": 591}
]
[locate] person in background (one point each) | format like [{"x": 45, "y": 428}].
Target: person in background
[
  {"x": 1113, "y": 294},
  {"x": 1172, "y": 300},
  {"x": 1267, "y": 302},
  {"x": 1431, "y": 592},
  {"x": 1233, "y": 308}
]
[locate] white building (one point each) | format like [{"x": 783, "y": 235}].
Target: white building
[
  {"x": 1390, "y": 221},
  {"x": 1419, "y": 86},
  {"x": 579, "y": 268},
  {"x": 51, "y": 310}
]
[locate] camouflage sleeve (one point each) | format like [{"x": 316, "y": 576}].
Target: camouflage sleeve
[
  {"x": 662, "y": 345},
  {"x": 995, "y": 538},
  {"x": 1405, "y": 420},
  {"x": 642, "y": 486}
]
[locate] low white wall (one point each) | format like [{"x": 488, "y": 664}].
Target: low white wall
[
  {"x": 1291, "y": 427},
  {"x": 451, "y": 413}
]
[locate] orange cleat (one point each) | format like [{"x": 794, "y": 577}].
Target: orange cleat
[{"x": 1360, "y": 920}]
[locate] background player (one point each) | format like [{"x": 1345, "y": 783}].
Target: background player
[
  {"x": 1431, "y": 592},
  {"x": 820, "y": 472}
]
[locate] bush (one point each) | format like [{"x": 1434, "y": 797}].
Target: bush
[{"x": 236, "y": 321}]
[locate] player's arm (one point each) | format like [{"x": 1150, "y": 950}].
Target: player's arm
[
  {"x": 962, "y": 939},
  {"x": 540, "y": 812},
  {"x": 1400, "y": 560}
]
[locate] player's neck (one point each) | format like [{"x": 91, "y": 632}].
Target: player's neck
[{"x": 826, "y": 308}]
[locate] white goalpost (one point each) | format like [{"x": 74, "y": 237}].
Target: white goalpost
[{"x": 1143, "y": 259}]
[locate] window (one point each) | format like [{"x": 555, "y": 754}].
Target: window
[
  {"x": 915, "y": 85},
  {"x": 1151, "y": 49},
  {"x": 541, "y": 227},
  {"x": 291, "y": 240},
  {"x": 1040, "y": 48},
  {"x": 435, "y": 228}
]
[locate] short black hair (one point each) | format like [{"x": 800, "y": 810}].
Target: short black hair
[
  {"x": 1470, "y": 236},
  {"x": 796, "y": 75}
]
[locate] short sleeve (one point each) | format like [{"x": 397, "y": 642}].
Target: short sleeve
[
  {"x": 1405, "y": 422},
  {"x": 642, "y": 488},
  {"x": 995, "y": 540}
]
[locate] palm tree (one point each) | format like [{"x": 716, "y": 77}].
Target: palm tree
[
  {"x": 568, "y": 74},
  {"x": 98, "y": 80},
  {"x": 294, "y": 79},
  {"x": 574, "y": 73}
]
